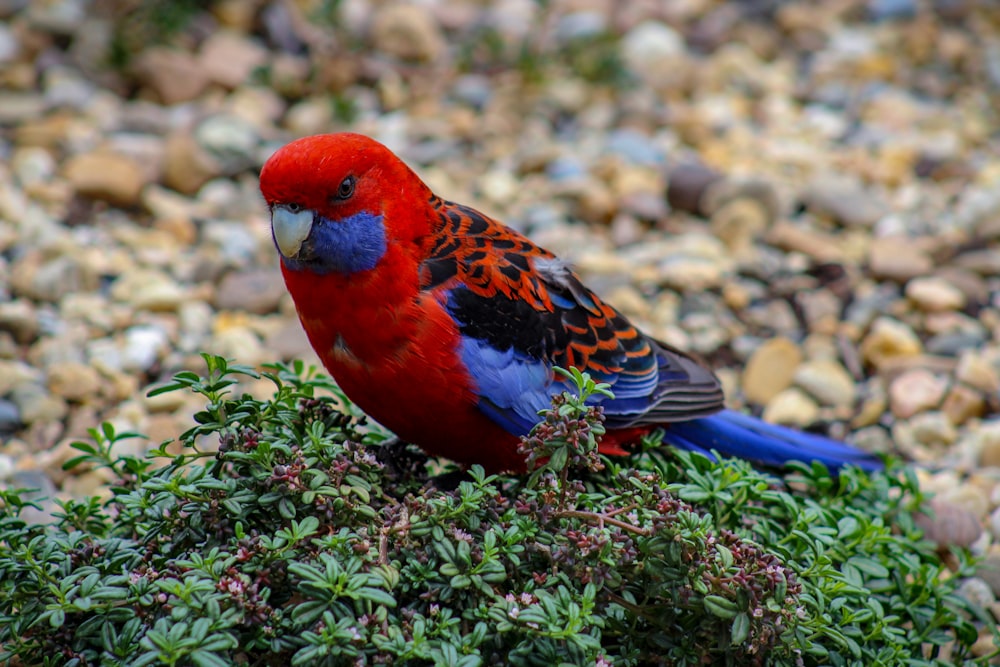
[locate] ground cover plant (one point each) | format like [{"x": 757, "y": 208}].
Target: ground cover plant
[{"x": 282, "y": 533}]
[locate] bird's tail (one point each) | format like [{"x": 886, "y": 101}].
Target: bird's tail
[{"x": 735, "y": 434}]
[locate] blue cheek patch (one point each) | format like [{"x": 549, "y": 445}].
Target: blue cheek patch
[{"x": 348, "y": 245}]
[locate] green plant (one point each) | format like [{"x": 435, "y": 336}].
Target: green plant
[{"x": 277, "y": 536}]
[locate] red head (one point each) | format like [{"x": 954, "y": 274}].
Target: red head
[{"x": 338, "y": 201}]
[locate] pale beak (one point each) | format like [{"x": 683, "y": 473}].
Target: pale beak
[{"x": 290, "y": 229}]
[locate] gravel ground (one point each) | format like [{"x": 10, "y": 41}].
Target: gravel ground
[{"x": 807, "y": 194}]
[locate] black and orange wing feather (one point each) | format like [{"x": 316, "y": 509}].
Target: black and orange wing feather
[{"x": 521, "y": 311}]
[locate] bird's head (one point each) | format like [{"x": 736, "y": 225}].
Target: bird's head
[{"x": 331, "y": 198}]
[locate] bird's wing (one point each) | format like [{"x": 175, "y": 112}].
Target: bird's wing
[{"x": 521, "y": 311}]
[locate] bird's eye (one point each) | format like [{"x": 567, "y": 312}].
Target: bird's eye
[
  {"x": 294, "y": 207},
  {"x": 346, "y": 188}
]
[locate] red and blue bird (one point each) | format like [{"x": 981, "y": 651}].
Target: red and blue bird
[{"x": 445, "y": 325}]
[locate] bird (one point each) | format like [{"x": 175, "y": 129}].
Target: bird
[{"x": 447, "y": 327}]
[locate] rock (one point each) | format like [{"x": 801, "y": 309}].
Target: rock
[
  {"x": 827, "y": 381},
  {"x": 75, "y": 382},
  {"x": 962, "y": 404},
  {"x": 146, "y": 289},
  {"x": 107, "y": 176},
  {"x": 977, "y": 592},
  {"x": 932, "y": 430},
  {"x": 237, "y": 342},
  {"x": 10, "y": 417},
  {"x": 36, "y": 404},
  {"x": 290, "y": 342},
  {"x": 174, "y": 76},
  {"x": 770, "y": 370},
  {"x": 934, "y": 294},
  {"x": 843, "y": 201},
  {"x": 974, "y": 370},
  {"x": 408, "y": 32},
  {"x": 914, "y": 391},
  {"x": 143, "y": 346},
  {"x": 50, "y": 280},
  {"x": 686, "y": 185},
  {"x": 988, "y": 444},
  {"x": 256, "y": 291},
  {"x": 20, "y": 318},
  {"x": 950, "y": 525},
  {"x": 654, "y": 51},
  {"x": 18, "y": 107},
  {"x": 889, "y": 339},
  {"x": 230, "y": 140},
  {"x": 229, "y": 58},
  {"x": 898, "y": 258},
  {"x": 793, "y": 407},
  {"x": 187, "y": 166}
]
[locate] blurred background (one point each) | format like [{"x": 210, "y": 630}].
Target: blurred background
[{"x": 805, "y": 193}]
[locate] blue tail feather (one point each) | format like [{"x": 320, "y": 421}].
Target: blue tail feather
[{"x": 735, "y": 434}]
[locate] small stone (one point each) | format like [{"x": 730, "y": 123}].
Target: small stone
[
  {"x": 793, "y": 407},
  {"x": 898, "y": 258},
  {"x": 36, "y": 404},
  {"x": 230, "y": 140},
  {"x": 175, "y": 76},
  {"x": 974, "y": 370},
  {"x": 256, "y": 291},
  {"x": 104, "y": 175},
  {"x": 686, "y": 185},
  {"x": 146, "y": 289},
  {"x": 229, "y": 58},
  {"x": 654, "y": 51},
  {"x": 143, "y": 346},
  {"x": 914, "y": 391},
  {"x": 827, "y": 381},
  {"x": 10, "y": 417},
  {"x": 934, "y": 294},
  {"x": 20, "y": 318},
  {"x": 962, "y": 404},
  {"x": 41, "y": 492},
  {"x": 408, "y": 32},
  {"x": 49, "y": 280},
  {"x": 15, "y": 373},
  {"x": 814, "y": 244},
  {"x": 844, "y": 202},
  {"x": 977, "y": 592},
  {"x": 290, "y": 342},
  {"x": 988, "y": 444},
  {"x": 889, "y": 339},
  {"x": 76, "y": 382},
  {"x": 951, "y": 524},
  {"x": 237, "y": 342},
  {"x": 770, "y": 370},
  {"x": 932, "y": 430},
  {"x": 187, "y": 166}
]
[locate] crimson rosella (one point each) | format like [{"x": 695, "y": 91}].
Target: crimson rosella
[{"x": 445, "y": 325}]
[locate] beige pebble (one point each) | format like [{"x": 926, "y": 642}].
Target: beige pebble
[
  {"x": 827, "y": 381},
  {"x": 889, "y": 339},
  {"x": 963, "y": 403},
  {"x": 932, "y": 430},
  {"x": 174, "y": 75},
  {"x": 976, "y": 371},
  {"x": 229, "y": 58},
  {"x": 988, "y": 442},
  {"x": 409, "y": 32},
  {"x": 770, "y": 369},
  {"x": 74, "y": 381},
  {"x": 914, "y": 391},
  {"x": 793, "y": 407},
  {"x": 105, "y": 175},
  {"x": 898, "y": 258},
  {"x": 934, "y": 294},
  {"x": 951, "y": 525}
]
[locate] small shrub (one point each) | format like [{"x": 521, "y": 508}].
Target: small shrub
[{"x": 277, "y": 536}]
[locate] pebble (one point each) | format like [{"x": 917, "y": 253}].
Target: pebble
[
  {"x": 143, "y": 346},
  {"x": 889, "y": 339},
  {"x": 408, "y": 32},
  {"x": 949, "y": 525},
  {"x": 770, "y": 370},
  {"x": 175, "y": 76},
  {"x": 843, "y": 201},
  {"x": 934, "y": 294},
  {"x": 20, "y": 318},
  {"x": 36, "y": 405},
  {"x": 229, "y": 58},
  {"x": 10, "y": 417},
  {"x": 895, "y": 258},
  {"x": 792, "y": 407},
  {"x": 827, "y": 381},
  {"x": 914, "y": 391},
  {"x": 256, "y": 291},
  {"x": 74, "y": 382}
]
